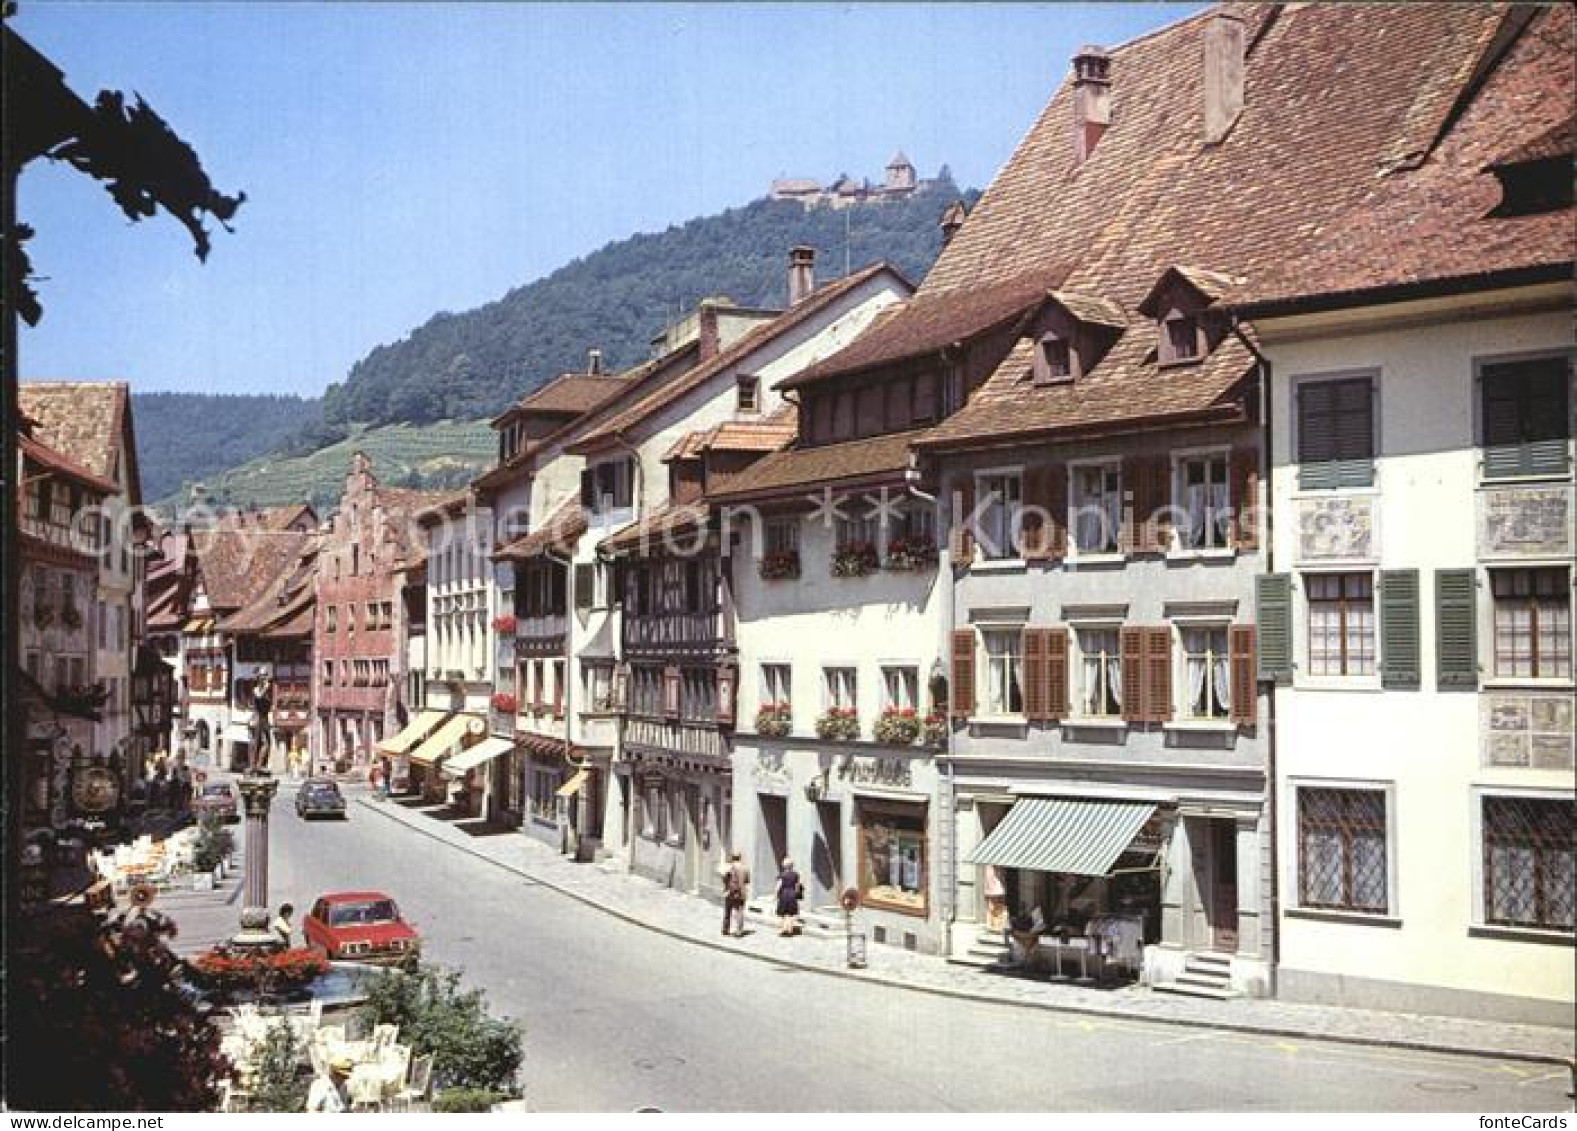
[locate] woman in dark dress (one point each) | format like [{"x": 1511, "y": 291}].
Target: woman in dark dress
[{"x": 790, "y": 892}]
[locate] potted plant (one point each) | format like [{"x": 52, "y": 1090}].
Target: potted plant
[
  {"x": 778, "y": 566},
  {"x": 774, "y": 720},
  {"x": 854, "y": 559},
  {"x": 214, "y": 845},
  {"x": 839, "y": 724},
  {"x": 935, "y": 729},
  {"x": 504, "y": 624},
  {"x": 906, "y": 553},
  {"x": 505, "y": 702},
  {"x": 898, "y": 726}
]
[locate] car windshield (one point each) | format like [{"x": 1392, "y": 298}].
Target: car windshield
[
  {"x": 324, "y": 790},
  {"x": 363, "y": 912}
]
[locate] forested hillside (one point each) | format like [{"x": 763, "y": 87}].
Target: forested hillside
[
  {"x": 186, "y": 437},
  {"x": 470, "y": 365}
]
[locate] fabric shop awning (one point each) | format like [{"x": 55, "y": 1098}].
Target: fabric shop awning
[
  {"x": 415, "y": 730},
  {"x": 473, "y": 756},
  {"x": 1076, "y": 836},
  {"x": 576, "y": 783},
  {"x": 437, "y": 745}
]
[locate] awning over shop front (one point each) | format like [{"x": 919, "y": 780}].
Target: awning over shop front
[
  {"x": 415, "y": 730},
  {"x": 436, "y": 746},
  {"x": 473, "y": 756},
  {"x": 1077, "y": 836},
  {"x": 576, "y": 783}
]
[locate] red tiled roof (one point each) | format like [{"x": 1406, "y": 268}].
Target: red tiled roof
[
  {"x": 1557, "y": 141},
  {"x": 754, "y": 339},
  {"x": 568, "y": 393},
  {"x": 767, "y": 434},
  {"x": 559, "y": 533},
  {"x": 877, "y": 459},
  {"x": 83, "y": 420},
  {"x": 64, "y": 465},
  {"x": 238, "y": 564},
  {"x": 665, "y": 521}
]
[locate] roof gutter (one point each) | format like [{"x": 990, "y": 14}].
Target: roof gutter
[
  {"x": 1211, "y": 414},
  {"x": 1401, "y": 292}
]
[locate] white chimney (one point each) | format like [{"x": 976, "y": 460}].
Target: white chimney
[
  {"x": 1092, "y": 99},
  {"x": 1223, "y": 75},
  {"x": 594, "y": 362},
  {"x": 802, "y": 273}
]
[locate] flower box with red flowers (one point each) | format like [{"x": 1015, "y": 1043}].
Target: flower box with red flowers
[
  {"x": 935, "y": 729},
  {"x": 854, "y": 559},
  {"x": 234, "y": 968},
  {"x": 898, "y": 726},
  {"x": 774, "y": 720},
  {"x": 839, "y": 723},
  {"x": 504, "y": 624},
  {"x": 505, "y": 702},
  {"x": 780, "y": 566},
  {"x": 907, "y": 554}
]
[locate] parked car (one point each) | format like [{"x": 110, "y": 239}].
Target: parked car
[
  {"x": 217, "y": 799},
  {"x": 320, "y": 797},
  {"x": 361, "y": 926}
]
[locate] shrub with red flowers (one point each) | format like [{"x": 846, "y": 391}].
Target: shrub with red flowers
[
  {"x": 774, "y": 720},
  {"x": 229, "y": 968},
  {"x": 854, "y": 559},
  {"x": 935, "y": 729},
  {"x": 779, "y": 566},
  {"x": 505, "y": 702},
  {"x": 504, "y": 623},
  {"x": 910, "y": 553},
  {"x": 898, "y": 726},
  {"x": 841, "y": 723}
]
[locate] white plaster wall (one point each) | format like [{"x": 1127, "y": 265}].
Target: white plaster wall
[{"x": 1422, "y": 745}]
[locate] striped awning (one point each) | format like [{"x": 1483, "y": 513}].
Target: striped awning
[
  {"x": 1076, "y": 836},
  {"x": 415, "y": 730},
  {"x": 473, "y": 756},
  {"x": 437, "y": 746}
]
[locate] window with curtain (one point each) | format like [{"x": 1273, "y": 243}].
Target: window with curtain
[
  {"x": 1203, "y": 503},
  {"x": 1100, "y": 674},
  {"x": 1342, "y": 849},
  {"x": 999, "y": 498},
  {"x": 1208, "y": 674},
  {"x": 1529, "y": 847},
  {"x": 900, "y": 687},
  {"x": 1004, "y": 692},
  {"x": 1341, "y": 623},
  {"x": 840, "y": 687},
  {"x": 775, "y": 684},
  {"x": 1533, "y": 623},
  {"x": 1097, "y": 508}
]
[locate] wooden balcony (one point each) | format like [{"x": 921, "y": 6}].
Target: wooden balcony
[
  {"x": 660, "y": 736},
  {"x": 674, "y": 634}
]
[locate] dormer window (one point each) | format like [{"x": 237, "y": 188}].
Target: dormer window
[
  {"x": 1053, "y": 359},
  {"x": 1179, "y": 339}
]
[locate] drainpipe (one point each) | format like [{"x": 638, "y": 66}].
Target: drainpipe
[
  {"x": 569, "y": 678},
  {"x": 950, "y": 875},
  {"x": 1269, "y": 552}
]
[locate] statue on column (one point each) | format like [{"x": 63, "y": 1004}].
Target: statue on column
[{"x": 262, "y": 730}]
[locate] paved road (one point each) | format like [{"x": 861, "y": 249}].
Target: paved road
[{"x": 618, "y": 1017}]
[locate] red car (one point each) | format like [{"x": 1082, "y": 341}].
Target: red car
[{"x": 360, "y": 926}]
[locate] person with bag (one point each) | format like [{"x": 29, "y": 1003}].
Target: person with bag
[
  {"x": 736, "y": 885},
  {"x": 790, "y": 892}
]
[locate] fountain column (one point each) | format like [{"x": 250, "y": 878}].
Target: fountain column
[{"x": 257, "y": 794}]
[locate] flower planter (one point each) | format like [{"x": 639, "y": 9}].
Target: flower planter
[
  {"x": 775, "y": 720},
  {"x": 840, "y": 724},
  {"x": 782, "y": 566},
  {"x": 854, "y": 559},
  {"x": 898, "y": 727},
  {"x": 907, "y": 555},
  {"x": 934, "y": 731}
]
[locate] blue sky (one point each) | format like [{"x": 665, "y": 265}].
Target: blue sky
[{"x": 402, "y": 159}]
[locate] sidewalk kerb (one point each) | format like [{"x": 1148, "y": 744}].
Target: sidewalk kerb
[{"x": 867, "y": 977}]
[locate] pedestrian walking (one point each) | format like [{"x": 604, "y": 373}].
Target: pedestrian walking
[
  {"x": 282, "y": 928},
  {"x": 790, "y": 892},
  {"x": 376, "y": 777},
  {"x": 736, "y": 884}
]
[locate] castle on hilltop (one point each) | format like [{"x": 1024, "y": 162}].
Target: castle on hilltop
[{"x": 900, "y": 184}]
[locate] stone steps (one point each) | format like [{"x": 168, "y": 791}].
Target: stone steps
[{"x": 1205, "y": 974}]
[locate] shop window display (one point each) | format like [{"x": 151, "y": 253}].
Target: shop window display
[{"x": 893, "y": 865}]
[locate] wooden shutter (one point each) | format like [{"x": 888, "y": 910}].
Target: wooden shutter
[
  {"x": 1244, "y": 677},
  {"x": 671, "y": 691},
  {"x": 961, "y": 544},
  {"x": 727, "y": 688},
  {"x": 963, "y": 690},
  {"x": 1456, "y": 628},
  {"x": 1057, "y": 504},
  {"x": 585, "y": 584},
  {"x": 1160, "y": 503},
  {"x": 1245, "y": 498},
  {"x": 1158, "y": 673},
  {"x": 1136, "y": 489},
  {"x": 1036, "y": 706},
  {"x": 1036, "y": 535},
  {"x": 1057, "y": 705},
  {"x": 1273, "y": 614},
  {"x": 588, "y": 489},
  {"x": 1135, "y": 702},
  {"x": 1400, "y": 663}
]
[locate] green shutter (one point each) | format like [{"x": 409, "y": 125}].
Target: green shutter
[
  {"x": 585, "y": 583},
  {"x": 1399, "y": 641},
  {"x": 1273, "y": 616},
  {"x": 1456, "y": 628},
  {"x": 1336, "y": 434}
]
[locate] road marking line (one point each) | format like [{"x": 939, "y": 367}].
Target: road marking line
[
  {"x": 1558, "y": 1074},
  {"x": 1190, "y": 1038}
]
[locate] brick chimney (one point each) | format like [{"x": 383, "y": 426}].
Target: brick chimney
[
  {"x": 594, "y": 362},
  {"x": 706, "y": 323},
  {"x": 952, "y": 220},
  {"x": 802, "y": 273},
  {"x": 1223, "y": 75},
  {"x": 1092, "y": 99}
]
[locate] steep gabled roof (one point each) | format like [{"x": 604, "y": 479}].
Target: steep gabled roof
[
  {"x": 62, "y": 464},
  {"x": 87, "y": 421},
  {"x": 559, "y": 534},
  {"x": 237, "y": 564},
  {"x": 878, "y": 459},
  {"x": 567, "y": 394}
]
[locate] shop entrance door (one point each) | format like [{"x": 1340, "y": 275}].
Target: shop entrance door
[
  {"x": 826, "y": 856},
  {"x": 771, "y": 843},
  {"x": 1224, "y": 886}
]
